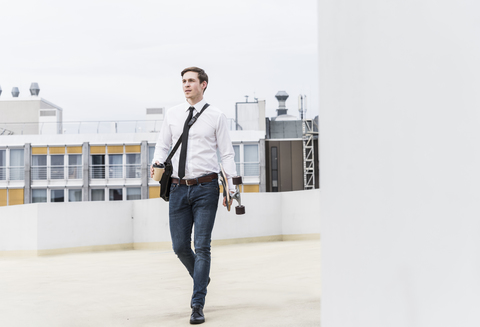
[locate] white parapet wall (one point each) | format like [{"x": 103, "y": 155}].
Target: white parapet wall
[{"x": 54, "y": 228}]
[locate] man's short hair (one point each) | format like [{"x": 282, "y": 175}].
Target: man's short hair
[{"x": 202, "y": 76}]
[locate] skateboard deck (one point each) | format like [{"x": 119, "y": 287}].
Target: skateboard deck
[
  {"x": 226, "y": 190},
  {"x": 240, "y": 209}
]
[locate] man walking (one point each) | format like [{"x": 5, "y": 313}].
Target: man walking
[{"x": 194, "y": 192}]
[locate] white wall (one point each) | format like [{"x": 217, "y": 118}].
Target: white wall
[
  {"x": 80, "y": 224},
  {"x": 144, "y": 223},
  {"x": 399, "y": 137},
  {"x": 18, "y": 228}
]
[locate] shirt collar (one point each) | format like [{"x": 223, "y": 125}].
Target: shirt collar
[{"x": 198, "y": 106}]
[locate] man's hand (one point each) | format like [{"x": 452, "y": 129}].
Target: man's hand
[
  {"x": 225, "y": 199},
  {"x": 152, "y": 170}
]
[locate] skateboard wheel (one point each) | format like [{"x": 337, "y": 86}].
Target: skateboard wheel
[
  {"x": 240, "y": 210},
  {"x": 237, "y": 180}
]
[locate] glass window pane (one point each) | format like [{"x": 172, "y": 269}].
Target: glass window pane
[
  {"x": 250, "y": 152},
  {"x": 151, "y": 152},
  {"x": 134, "y": 193},
  {"x": 57, "y": 160},
  {"x": 39, "y": 160},
  {"x": 75, "y": 195},
  {"x": 39, "y": 167},
  {"x": 251, "y": 164},
  {"x": 98, "y": 195},
  {"x": 274, "y": 158},
  {"x": 3, "y": 171},
  {"x": 3, "y": 158},
  {"x": 236, "y": 149},
  {"x": 75, "y": 159},
  {"x": 39, "y": 195},
  {"x": 133, "y": 159},
  {"x": 98, "y": 168},
  {"x": 16, "y": 158},
  {"x": 115, "y": 159},
  {"x": 98, "y": 159},
  {"x": 57, "y": 170},
  {"x": 115, "y": 194},
  {"x": 57, "y": 196}
]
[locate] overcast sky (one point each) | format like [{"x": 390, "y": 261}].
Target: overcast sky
[{"x": 105, "y": 60}]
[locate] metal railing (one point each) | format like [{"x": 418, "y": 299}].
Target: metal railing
[
  {"x": 97, "y": 172},
  {"x": 3, "y": 173},
  {"x": 82, "y": 127},
  {"x": 39, "y": 173},
  {"x": 16, "y": 173},
  {"x": 57, "y": 172},
  {"x": 75, "y": 172},
  {"x": 115, "y": 171},
  {"x": 133, "y": 171},
  {"x": 248, "y": 168}
]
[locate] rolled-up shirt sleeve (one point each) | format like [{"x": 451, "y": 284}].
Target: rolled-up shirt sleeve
[
  {"x": 225, "y": 148},
  {"x": 164, "y": 142}
]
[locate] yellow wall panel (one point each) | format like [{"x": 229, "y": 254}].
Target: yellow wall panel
[
  {"x": 97, "y": 149},
  {"x": 3, "y": 197},
  {"x": 57, "y": 150},
  {"x": 153, "y": 192},
  {"x": 42, "y": 150},
  {"x": 15, "y": 196},
  {"x": 74, "y": 149},
  {"x": 133, "y": 149},
  {"x": 115, "y": 149},
  {"x": 251, "y": 188}
]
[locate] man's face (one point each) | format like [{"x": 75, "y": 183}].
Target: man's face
[{"x": 192, "y": 87}]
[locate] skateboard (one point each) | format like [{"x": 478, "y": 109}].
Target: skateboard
[{"x": 240, "y": 209}]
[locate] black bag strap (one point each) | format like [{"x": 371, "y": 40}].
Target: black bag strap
[{"x": 190, "y": 123}]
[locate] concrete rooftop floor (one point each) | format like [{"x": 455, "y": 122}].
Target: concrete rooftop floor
[{"x": 253, "y": 284}]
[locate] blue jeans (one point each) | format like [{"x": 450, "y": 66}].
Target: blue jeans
[{"x": 189, "y": 206}]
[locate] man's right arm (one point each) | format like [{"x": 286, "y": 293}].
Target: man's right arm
[{"x": 163, "y": 144}]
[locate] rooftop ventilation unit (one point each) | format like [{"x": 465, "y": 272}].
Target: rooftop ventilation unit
[
  {"x": 34, "y": 89},
  {"x": 15, "y": 92},
  {"x": 282, "y": 97}
]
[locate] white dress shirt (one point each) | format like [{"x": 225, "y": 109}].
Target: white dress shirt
[{"x": 206, "y": 135}]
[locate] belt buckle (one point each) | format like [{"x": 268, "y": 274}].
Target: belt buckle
[{"x": 186, "y": 182}]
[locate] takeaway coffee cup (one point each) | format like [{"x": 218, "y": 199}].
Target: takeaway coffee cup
[{"x": 158, "y": 170}]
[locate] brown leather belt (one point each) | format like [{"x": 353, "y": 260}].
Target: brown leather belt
[{"x": 195, "y": 181}]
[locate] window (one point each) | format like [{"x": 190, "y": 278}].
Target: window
[
  {"x": 98, "y": 194},
  {"x": 57, "y": 170},
  {"x": 74, "y": 195},
  {"x": 115, "y": 162},
  {"x": 115, "y": 194},
  {"x": 133, "y": 167},
  {"x": 134, "y": 193},
  {"x": 98, "y": 167},
  {"x": 39, "y": 167},
  {"x": 251, "y": 162},
  {"x": 3, "y": 165},
  {"x": 151, "y": 152},
  {"x": 274, "y": 169},
  {"x": 17, "y": 163},
  {"x": 236, "y": 149},
  {"x": 57, "y": 196},
  {"x": 39, "y": 195},
  {"x": 74, "y": 166}
]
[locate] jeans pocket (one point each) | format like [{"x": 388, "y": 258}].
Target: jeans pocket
[
  {"x": 213, "y": 185},
  {"x": 173, "y": 188}
]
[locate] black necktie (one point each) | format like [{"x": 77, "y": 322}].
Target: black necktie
[{"x": 183, "y": 152}]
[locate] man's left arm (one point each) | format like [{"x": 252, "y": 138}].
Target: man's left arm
[{"x": 225, "y": 148}]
